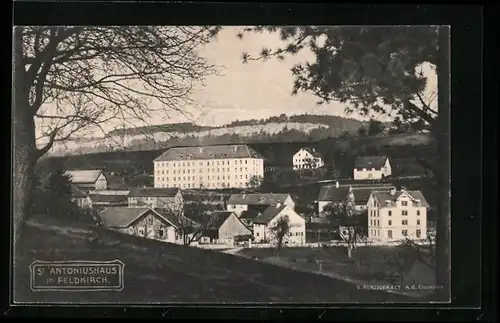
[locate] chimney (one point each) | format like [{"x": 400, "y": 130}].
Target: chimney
[
  {"x": 337, "y": 184},
  {"x": 235, "y": 148},
  {"x": 403, "y": 189},
  {"x": 278, "y": 204},
  {"x": 201, "y": 149},
  {"x": 393, "y": 190}
]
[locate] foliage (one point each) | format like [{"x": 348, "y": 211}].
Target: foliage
[
  {"x": 375, "y": 69},
  {"x": 280, "y": 230},
  {"x": 375, "y": 127},
  {"x": 255, "y": 181},
  {"x": 401, "y": 262},
  {"x": 362, "y": 131}
]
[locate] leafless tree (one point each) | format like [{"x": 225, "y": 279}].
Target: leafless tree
[
  {"x": 69, "y": 81},
  {"x": 424, "y": 250},
  {"x": 401, "y": 262}
]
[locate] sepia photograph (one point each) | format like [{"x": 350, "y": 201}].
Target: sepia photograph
[{"x": 231, "y": 164}]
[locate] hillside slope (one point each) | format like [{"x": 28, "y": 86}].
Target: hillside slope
[{"x": 164, "y": 273}]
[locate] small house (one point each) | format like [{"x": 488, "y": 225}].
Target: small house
[
  {"x": 81, "y": 198},
  {"x": 372, "y": 167},
  {"x": 165, "y": 198},
  {"x": 264, "y": 223},
  {"x": 238, "y": 203},
  {"x": 223, "y": 227},
  {"x": 307, "y": 158},
  {"x": 89, "y": 179}
]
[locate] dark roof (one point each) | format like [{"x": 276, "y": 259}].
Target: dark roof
[
  {"x": 339, "y": 194},
  {"x": 257, "y": 199},
  {"x": 84, "y": 176},
  {"x": 153, "y": 192},
  {"x": 121, "y": 217},
  {"x": 269, "y": 214},
  {"x": 77, "y": 193},
  {"x": 370, "y": 162},
  {"x": 208, "y": 152},
  {"x": 173, "y": 218},
  {"x": 250, "y": 214},
  {"x": 382, "y": 196},
  {"x": 107, "y": 198},
  {"x": 217, "y": 220},
  {"x": 313, "y": 152}
]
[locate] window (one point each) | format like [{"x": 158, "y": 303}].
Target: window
[
  {"x": 419, "y": 233},
  {"x": 371, "y": 222},
  {"x": 404, "y": 232},
  {"x": 390, "y": 213},
  {"x": 404, "y": 203},
  {"x": 404, "y": 212},
  {"x": 418, "y": 222},
  {"x": 150, "y": 220},
  {"x": 160, "y": 233},
  {"x": 404, "y": 222},
  {"x": 141, "y": 232},
  {"x": 390, "y": 222},
  {"x": 257, "y": 234},
  {"x": 378, "y": 222},
  {"x": 418, "y": 212},
  {"x": 389, "y": 234},
  {"x": 245, "y": 161}
]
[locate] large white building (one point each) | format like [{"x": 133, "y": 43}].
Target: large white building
[
  {"x": 211, "y": 167},
  {"x": 397, "y": 215},
  {"x": 307, "y": 158},
  {"x": 371, "y": 168}
]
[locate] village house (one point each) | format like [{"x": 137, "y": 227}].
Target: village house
[
  {"x": 165, "y": 198},
  {"x": 307, "y": 158},
  {"x": 100, "y": 201},
  {"x": 89, "y": 179},
  {"x": 396, "y": 215},
  {"x": 117, "y": 192},
  {"x": 238, "y": 203},
  {"x": 337, "y": 194},
  {"x": 223, "y": 227},
  {"x": 371, "y": 167},
  {"x": 212, "y": 167},
  {"x": 81, "y": 198},
  {"x": 143, "y": 222},
  {"x": 264, "y": 223},
  {"x": 247, "y": 217}
]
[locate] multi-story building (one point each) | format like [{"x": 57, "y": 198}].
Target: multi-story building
[
  {"x": 397, "y": 215},
  {"x": 372, "y": 168},
  {"x": 210, "y": 167},
  {"x": 264, "y": 223},
  {"x": 307, "y": 158},
  {"x": 163, "y": 198},
  {"x": 238, "y": 203}
]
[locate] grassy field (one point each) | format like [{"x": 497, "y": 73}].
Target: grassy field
[
  {"x": 368, "y": 264},
  {"x": 164, "y": 273}
]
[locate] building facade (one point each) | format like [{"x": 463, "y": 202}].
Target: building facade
[
  {"x": 397, "y": 215},
  {"x": 141, "y": 222},
  {"x": 208, "y": 167},
  {"x": 224, "y": 227},
  {"x": 264, "y": 223},
  {"x": 307, "y": 158},
  {"x": 88, "y": 179},
  {"x": 239, "y": 203},
  {"x": 371, "y": 168},
  {"x": 165, "y": 198}
]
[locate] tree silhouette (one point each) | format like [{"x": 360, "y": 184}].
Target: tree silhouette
[
  {"x": 375, "y": 127},
  {"x": 71, "y": 80},
  {"x": 280, "y": 230},
  {"x": 378, "y": 71}
]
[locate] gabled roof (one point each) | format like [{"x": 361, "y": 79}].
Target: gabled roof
[
  {"x": 106, "y": 198},
  {"x": 217, "y": 220},
  {"x": 77, "y": 193},
  {"x": 249, "y": 214},
  {"x": 153, "y": 192},
  {"x": 257, "y": 199},
  {"x": 208, "y": 152},
  {"x": 269, "y": 214},
  {"x": 84, "y": 176},
  {"x": 339, "y": 194},
  {"x": 382, "y": 196},
  {"x": 370, "y": 162},
  {"x": 313, "y": 152},
  {"x": 123, "y": 217},
  {"x": 173, "y": 218}
]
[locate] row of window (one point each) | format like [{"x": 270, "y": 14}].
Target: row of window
[
  {"x": 192, "y": 178},
  {"x": 218, "y": 162},
  {"x": 403, "y": 222},
  {"x": 201, "y": 185},
  {"x": 376, "y": 233},
  {"x": 375, "y": 213},
  {"x": 192, "y": 171}
]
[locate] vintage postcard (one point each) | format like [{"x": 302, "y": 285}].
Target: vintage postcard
[{"x": 233, "y": 164}]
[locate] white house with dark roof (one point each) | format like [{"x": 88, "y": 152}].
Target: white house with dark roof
[
  {"x": 143, "y": 222},
  {"x": 371, "y": 167},
  {"x": 307, "y": 158},
  {"x": 212, "y": 167},
  {"x": 337, "y": 194},
  {"x": 263, "y": 224},
  {"x": 396, "y": 215},
  {"x": 238, "y": 203},
  {"x": 88, "y": 179},
  {"x": 166, "y": 198}
]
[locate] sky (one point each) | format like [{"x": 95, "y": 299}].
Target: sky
[{"x": 258, "y": 89}]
